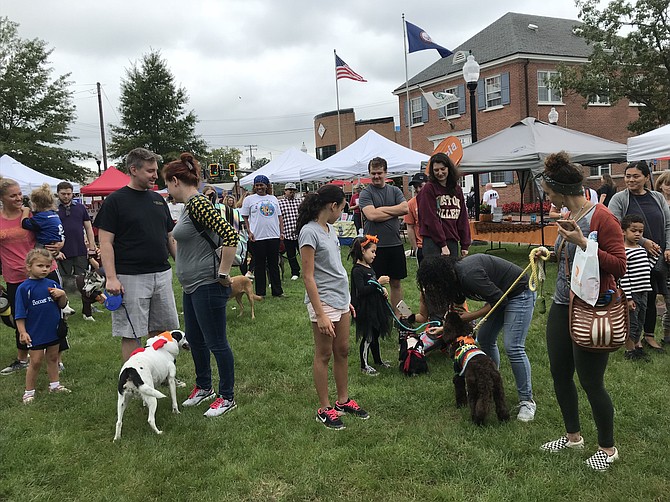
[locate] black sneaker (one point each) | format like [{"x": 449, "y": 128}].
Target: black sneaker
[
  {"x": 636, "y": 354},
  {"x": 14, "y": 367},
  {"x": 352, "y": 408},
  {"x": 330, "y": 418}
]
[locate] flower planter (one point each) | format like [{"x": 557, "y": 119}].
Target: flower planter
[{"x": 485, "y": 217}]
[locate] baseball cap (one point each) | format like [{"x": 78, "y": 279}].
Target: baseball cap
[
  {"x": 419, "y": 178},
  {"x": 290, "y": 186}
]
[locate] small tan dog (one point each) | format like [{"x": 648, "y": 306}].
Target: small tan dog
[{"x": 241, "y": 286}]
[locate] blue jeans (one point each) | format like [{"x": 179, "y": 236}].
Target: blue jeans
[
  {"x": 205, "y": 323},
  {"x": 515, "y": 320}
]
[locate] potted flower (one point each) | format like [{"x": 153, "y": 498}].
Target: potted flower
[{"x": 485, "y": 213}]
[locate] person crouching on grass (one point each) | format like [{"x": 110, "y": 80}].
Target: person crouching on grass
[
  {"x": 38, "y": 304},
  {"x": 328, "y": 300}
]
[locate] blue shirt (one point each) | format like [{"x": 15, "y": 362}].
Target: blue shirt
[
  {"x": 41, "y": 312},
  {"x": 47, "y": 227}
]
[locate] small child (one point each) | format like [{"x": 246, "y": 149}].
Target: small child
[
  {"x": 38, "y": 304},
  {"x": 45, "y": 222},
  {"x": 369, "y": 301},
  {"x": 636, "y": 283},
  {"x": 327, "y": 298}
]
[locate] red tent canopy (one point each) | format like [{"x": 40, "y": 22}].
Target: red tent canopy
[{"x": 111, "y": 180}]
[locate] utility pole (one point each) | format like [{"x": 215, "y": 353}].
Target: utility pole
[
  {"x": 102, "y": 129},
  {"x": 251, "y": 155}
]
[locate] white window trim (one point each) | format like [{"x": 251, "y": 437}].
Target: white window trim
[
  {"x": 418, "y": 124},
  {"x": 455, "y": 93},
  {"x": 599, "y": 104},
  {"x": 493, "y": 108},
  {"x": 499, "y": 184},
  {"x": 411, "y": 112},
  {"x": 560, "y": 102},
  {"x": 486, "y": 94}
]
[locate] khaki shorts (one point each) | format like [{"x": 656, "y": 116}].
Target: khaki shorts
[
  {"x": 148, "y": 305},
  {"x": 333, "y": 314}
]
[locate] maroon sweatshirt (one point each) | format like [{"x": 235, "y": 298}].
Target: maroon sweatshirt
[{"x": 443, "y": 216}]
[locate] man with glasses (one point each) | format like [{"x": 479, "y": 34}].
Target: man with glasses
[{"x": 76, "y": 224}]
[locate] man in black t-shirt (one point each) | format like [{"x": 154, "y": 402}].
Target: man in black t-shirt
[{"x": 135, "y": 233}]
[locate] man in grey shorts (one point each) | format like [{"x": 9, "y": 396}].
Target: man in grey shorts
[{"x": 135, "y": 234}]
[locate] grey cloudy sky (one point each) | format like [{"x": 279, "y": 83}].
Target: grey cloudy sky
[{"x": 256, "y": 71}]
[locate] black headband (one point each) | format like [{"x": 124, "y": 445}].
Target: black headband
[{"x": 563, "y": 188}]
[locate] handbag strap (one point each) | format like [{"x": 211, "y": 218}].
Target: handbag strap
[{"x": 202, "y": 231}]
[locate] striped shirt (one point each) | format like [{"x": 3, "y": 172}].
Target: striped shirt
[{"x": 638, "y": 272}]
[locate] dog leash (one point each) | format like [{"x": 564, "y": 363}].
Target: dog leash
[
  {"x": 398, "y": 322},
  {"x": 537, "y": 275}
]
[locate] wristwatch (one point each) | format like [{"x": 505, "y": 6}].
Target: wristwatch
[{"x": 225, "y": 277}]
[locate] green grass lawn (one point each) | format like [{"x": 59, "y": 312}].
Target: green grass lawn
[{"x": 416, "y": 445}]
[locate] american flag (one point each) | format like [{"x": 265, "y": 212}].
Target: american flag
[{"x": 342, "y": 70}]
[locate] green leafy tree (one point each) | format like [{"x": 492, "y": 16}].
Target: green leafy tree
[
  {"x": 630, "y": 59},
  {"x": 36, "y": 111},
  {"x": 258, "y": 163},
  {"x": 225, "y": 156},
  {"x": 153, "y": 113}
]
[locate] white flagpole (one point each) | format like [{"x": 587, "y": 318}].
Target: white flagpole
[
  {"x": 337, "y": 94},
  {"x": 409, "y": 106}
]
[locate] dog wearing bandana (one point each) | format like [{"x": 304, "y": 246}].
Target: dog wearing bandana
[{"x": 477, "y": 381}]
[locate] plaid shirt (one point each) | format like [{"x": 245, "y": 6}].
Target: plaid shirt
[{"x": 289, "y": 212}]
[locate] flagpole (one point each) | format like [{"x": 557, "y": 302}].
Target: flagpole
[
  {"x": 409, "y": 108},
  {"x": 337, "y": 94}
]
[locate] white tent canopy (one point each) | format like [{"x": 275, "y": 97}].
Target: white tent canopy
[
  {"x": 353, "y": 160},
  {"x": 525, "y": 145},
  {"x": 27, "y": 178},
  {"x": 283, "y": 169},
  {"x": 650, "y": 145}
]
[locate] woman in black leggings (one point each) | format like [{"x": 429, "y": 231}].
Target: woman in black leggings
[{"x": 562, "y": 182}]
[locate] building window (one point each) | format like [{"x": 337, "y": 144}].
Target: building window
[
  {"x": 600, "y": 170},
  {"x": 498, "y": 177},
  {"x": 452, "y": 108},
  {"x": 493, "y": 92},
  {"x": 417, "y": 111},
  {"x": 545, "y": 92},
  {"x": 323, "y": 152}
]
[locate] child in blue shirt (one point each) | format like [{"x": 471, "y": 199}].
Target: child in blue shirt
[
  {"x": 45, "y": 222},
  {"x": 38, "y": 304}
]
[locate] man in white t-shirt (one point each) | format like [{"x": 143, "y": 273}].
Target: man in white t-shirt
[
  {"x": 490, "y": 196},
  {"x": 262, "y": 215}
]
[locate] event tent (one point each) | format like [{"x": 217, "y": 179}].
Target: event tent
[
  {"x": 283, "y": 169},
  {"x": 353, "y": 160},
  {"x": 525, "y": 144},
  {"x": 650, "y": 145},
  {"x": 111, "y": 180},
  {"x": 27, "y": 178}
]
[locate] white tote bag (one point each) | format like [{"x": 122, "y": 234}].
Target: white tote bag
[{"x": 585, "y": 277}]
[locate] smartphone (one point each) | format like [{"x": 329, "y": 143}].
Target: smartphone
[
  {"x": 566, "y": 224},
  {"x": 404, "y": 310}
]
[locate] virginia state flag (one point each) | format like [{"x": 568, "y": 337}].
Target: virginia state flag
[{"x": 419, "y": 40}]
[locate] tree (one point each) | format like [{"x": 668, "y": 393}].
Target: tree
[
  {"x": 258, "y": 163},
  {"x": 36, "y": 111},
  {"x": 224, "y": 156},
  {"x": 153, "y": 113},
  {"x": 630, "y": 59}
]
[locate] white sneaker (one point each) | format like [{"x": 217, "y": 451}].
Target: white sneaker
[
  {"x": 89, "y": 318},
  {"x": 294, "y": 277},
  {"x": 198, "y": 395},
  {"x": 67, "y": 310},
  {"x": 369, "y": 370},
  {"x": 220, "y": 406},
  {"x": 526, "y": 411}
]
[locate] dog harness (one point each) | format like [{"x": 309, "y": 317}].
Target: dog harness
[
  {"x": 165, "y": 337},
  {"x": 466, "y": 350}
]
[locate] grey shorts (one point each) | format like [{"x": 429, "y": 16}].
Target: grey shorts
[{"x": 148, "y": 305}]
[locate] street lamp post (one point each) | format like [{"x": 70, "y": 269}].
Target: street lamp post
[{"x": 471, "y": 76}]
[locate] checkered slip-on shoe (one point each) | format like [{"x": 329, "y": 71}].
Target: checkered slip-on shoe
[
  {"x": 561, "y": 444},
  {"x": 601, "y": 461}
]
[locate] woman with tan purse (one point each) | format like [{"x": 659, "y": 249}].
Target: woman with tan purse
[{"x": 562, "y": 182}]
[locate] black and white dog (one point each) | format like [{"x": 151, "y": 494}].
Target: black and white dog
[{"x": 144, "y": 370}]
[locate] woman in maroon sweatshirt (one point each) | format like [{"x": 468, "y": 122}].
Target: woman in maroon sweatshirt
[{"x": 443, "y": 216}]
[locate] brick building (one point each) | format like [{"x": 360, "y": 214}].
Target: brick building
[
  {"x": 517, "y": 54},
  {"x": 327, "y": 136}
]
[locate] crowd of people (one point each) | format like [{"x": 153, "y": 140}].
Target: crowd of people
[{"x": 44, "y": 249}]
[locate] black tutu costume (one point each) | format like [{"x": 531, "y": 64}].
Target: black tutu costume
[{"x": 373, "y": 316}]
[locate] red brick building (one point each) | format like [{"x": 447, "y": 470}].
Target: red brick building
[{"x": 517, "y": 55}]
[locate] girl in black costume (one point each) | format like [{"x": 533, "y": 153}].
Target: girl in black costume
[{"x": 369, "y": 298}]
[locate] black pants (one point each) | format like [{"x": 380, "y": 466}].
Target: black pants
[
  {"x": 372, "y": 346},
  {"x": 650, "y": 316},
  {"x": 357, "y": 222},
  {"x": 292, "y": 253},
  {"x": 432, "y": 249},
  {"x": 564, "y": 358},
  {"x": 266, "y": 255}
]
